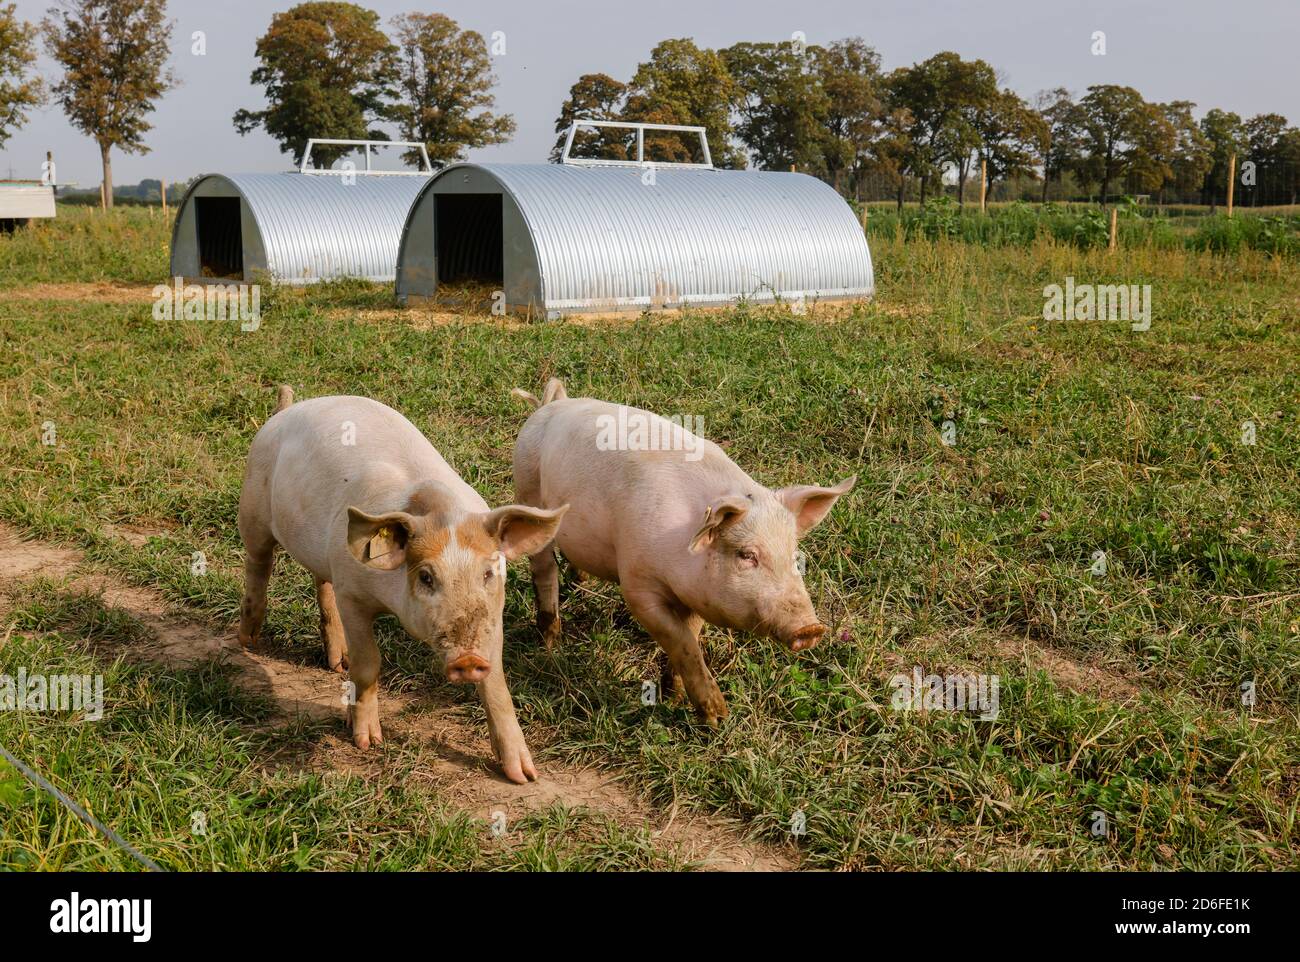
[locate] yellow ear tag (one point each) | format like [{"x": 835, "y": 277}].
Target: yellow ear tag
[{"x": 382, "y": 542}]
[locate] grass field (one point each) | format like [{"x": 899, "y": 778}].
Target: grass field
[{"x": 1119, "y": 693}]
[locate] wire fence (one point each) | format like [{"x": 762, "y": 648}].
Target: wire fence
[
  {"x": 44, "y": 784},
  {"x": 1255, "y": 185}
]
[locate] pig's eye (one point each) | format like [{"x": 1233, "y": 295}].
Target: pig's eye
[
  {"x": 747, "y": 556},
  {"x": 425, "y": 577}
]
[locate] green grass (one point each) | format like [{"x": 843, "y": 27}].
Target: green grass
[
  {"x": 83, "y": 244},
  {"x": 176, "y": 743},
  {"x": 1072, "y": 437}
]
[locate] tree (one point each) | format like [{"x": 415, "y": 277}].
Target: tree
[
  {"x": 1012, "y": 136},
  {"x": 445, "y": 77},
  {"x": 1227, "y": 136},
  {"x": 1289, "y": 156},
  {"x": 595, "y": 96},
  {"x": 975, "y": 90},
  {"x": 939, "y": 95},
  {"x": 327, "y": 68},
  {"x": 1060, "y": 149},
  {"x": 18, "y": 91},
  {"x": 1155, "y": 142},
  {"x": 114, "y": 59},
  {"x": 1266, "y": 135},
  {"x": 849, "y": 73},
  {"x": 891, "y": 150},
  {"x": 683, "y": 84},
  {"x": 1190, "y": 156},
  {"x": 782, "y": 105},
  {"x": 1113, "y": 121}
]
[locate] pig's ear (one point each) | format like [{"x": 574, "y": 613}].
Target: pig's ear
[
  {"x": 521, "y": 530},
  {"x": 723, "y": 512},
  {"x": 379, "y": 540},
  {"x": 809, "y": 503}
]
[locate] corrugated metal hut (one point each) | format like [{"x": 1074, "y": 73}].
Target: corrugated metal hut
[
  {"x": 296, "y": 227},
  {"x": 626, "y": 235}
]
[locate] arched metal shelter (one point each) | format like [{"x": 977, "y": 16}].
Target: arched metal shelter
[
  {"x": 296, "y": 227},
  {"x": 588, "y": 235}
]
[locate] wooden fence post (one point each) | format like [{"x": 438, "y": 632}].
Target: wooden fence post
[
  {"x": 1232, "y": 179},
  {"x": 984, "y": 180},
  {"x": 1114, "y": 227},
  {"x": 164, "y": 197}
]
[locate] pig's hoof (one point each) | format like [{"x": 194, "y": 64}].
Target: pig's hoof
[
  {"x": 365, "y": 729},
  {"x": 336, "y": 656},
  {"x": 246, "y": 640},
  {"x": 518, "y": 765},
  {"x": 551, "y": 629},
  {"x": 363, "y": 738},
  {"x": 713, "y": 712}
]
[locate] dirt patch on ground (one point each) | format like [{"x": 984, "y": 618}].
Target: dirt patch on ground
[
  {"x": 99, "y": 291},
  {"x": 423, "y": 318},
  {"x": 423, "y": 315},
  {"x": 970, "y": 649},
  {"x": 21, "y": 560},
  {"x": 136, "y": 535},
  {"x": 1069, "y": 673},
  {"x": 904, "y": 310},
  {"x": 463, "y": 772}
]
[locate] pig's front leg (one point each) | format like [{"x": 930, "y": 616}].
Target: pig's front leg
[
  {"x": 670, "y": 682},
  {"x": 363, "y": 671},
  {"x": 331, "y": 627},
  {"x": 503, "y": 727},
  {"x": 675, "y": 630}
]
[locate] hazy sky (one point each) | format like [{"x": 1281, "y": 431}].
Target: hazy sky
[{"x": 1240, "y": 57}]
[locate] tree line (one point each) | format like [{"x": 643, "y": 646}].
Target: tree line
[
  {"x": 327, "y": 69},
  {"x": 330, "y": 69},
  {"x": 831, "y": 111}
]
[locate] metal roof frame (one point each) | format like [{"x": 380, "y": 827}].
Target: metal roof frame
[
  {"x": 307, "y": 168},
  {"x": 566, "y": 158}
]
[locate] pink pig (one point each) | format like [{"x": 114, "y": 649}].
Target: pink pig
[
  {"x": 360, "y": 498},
  {"x": 688, "y": 536}
]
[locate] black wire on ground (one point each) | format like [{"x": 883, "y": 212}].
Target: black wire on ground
[{"x": 36, "y": 779}]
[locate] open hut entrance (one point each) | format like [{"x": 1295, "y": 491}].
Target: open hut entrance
[
  {"x": 470, "y": 243},
  {"x": 221, "y": 245}
]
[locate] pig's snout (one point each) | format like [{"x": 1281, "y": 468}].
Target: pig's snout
[
  {"x": 806, "y": 637},
  {"x": 468, "y": 669}
]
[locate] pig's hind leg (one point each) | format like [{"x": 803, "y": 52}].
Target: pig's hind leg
[
  {"x": 259, "y": 557},
  {"x": 545, "y": 571},
  {"x": 546, "y": 585},
  {"x": 331, "y": 627}
]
